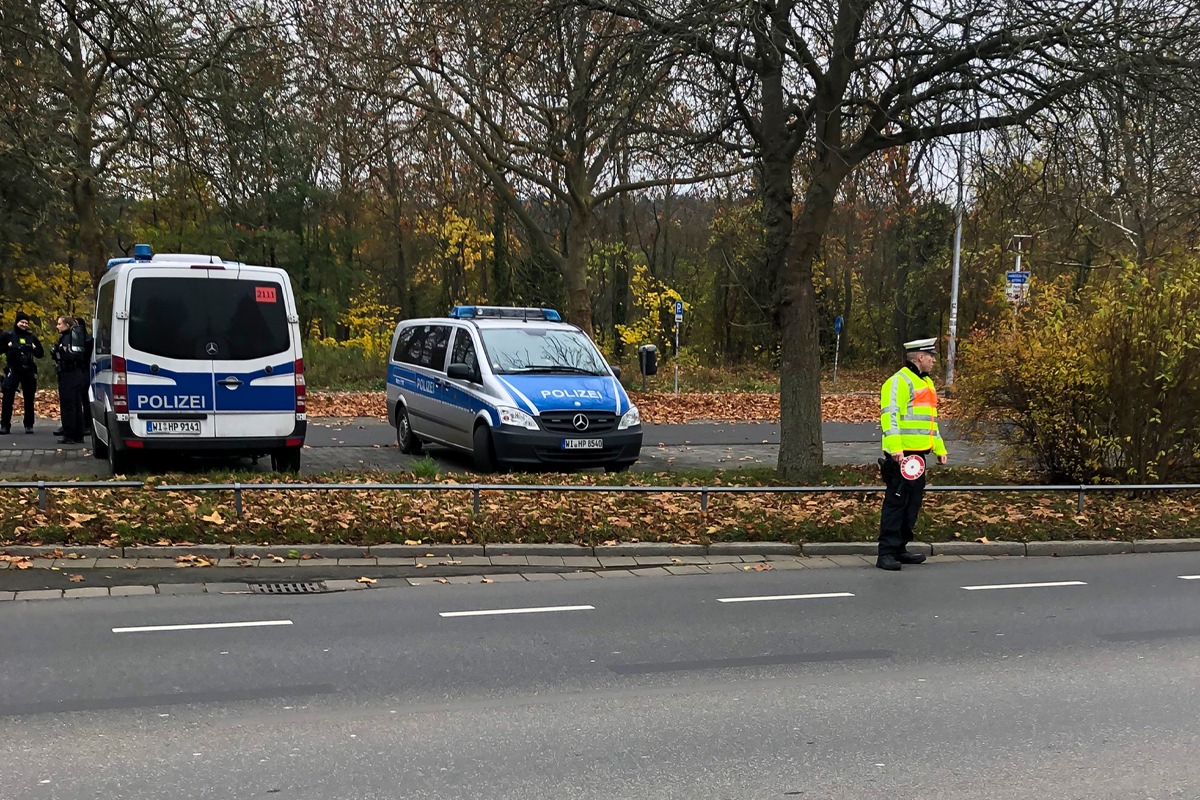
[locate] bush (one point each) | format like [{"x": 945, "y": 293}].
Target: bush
[
  {"x": 1099, "y": 383},
  {"x": 332, "y": 365}
]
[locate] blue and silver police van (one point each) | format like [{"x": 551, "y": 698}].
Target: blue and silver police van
[
  {"x": 512, "y": 386},
  {"x": 195, "y": 354}
]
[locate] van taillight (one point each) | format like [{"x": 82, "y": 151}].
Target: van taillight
[
  {"x": 120, "y": 390},
  {"x": 301, "y": 388}
]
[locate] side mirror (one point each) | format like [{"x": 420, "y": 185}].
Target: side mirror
[
  {"x": 616, "y": 371},
  {"x": 460, "y": 372}
]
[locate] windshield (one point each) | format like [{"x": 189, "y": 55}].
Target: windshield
[
  {"x": 207, "y": 318},
  {"x": 533, "y": 350}
]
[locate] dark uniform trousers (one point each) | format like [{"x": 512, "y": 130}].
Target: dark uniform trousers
[
  {"x": 70, "y": 400},
  {"x": 27, "y": 382},
  {"x": 901, "y": 504}
]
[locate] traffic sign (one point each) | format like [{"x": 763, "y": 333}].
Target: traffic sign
[
  {"x": 679, "y": 311},
  {"x": 837, "y": 325},
  {"x": 1018, "y": 277}
]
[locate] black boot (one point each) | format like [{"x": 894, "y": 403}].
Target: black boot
[
  {"x": 890, "y": 563},
  {"x": 911, "y": 558}
]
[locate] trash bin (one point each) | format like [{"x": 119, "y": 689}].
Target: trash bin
[{"x": 648, "y": 359}]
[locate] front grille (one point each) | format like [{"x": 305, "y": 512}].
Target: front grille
[
  {"x": 296, "y": 587},
  {"x": 564, "y": 422}
]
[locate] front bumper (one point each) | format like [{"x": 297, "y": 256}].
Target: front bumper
[{"x": 522, "y": 446}]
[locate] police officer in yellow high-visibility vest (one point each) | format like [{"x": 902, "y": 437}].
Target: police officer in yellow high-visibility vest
[{"x": 908, "y": 416}]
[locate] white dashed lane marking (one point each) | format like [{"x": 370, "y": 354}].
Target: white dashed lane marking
[
  {"x": 765, "y": 598},
  {"x": 491, "y": 612},
  {"x": 1023, "y": 585}
]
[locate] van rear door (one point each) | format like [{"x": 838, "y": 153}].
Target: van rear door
[
  {"x": 257, "y": 345},
  {"x": 169, "y": 372}
]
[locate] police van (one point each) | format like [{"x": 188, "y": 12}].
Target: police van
[
  {"x": 194, "y": 354},
  {"x": 512, "y": 386}
]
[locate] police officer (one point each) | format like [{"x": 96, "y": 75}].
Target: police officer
[
  {"x": 70, "y": 358},
  {"x": 90, "y": 344},
  {"x": 908, "y": 416},
  {"x": 20, "y": 347}
]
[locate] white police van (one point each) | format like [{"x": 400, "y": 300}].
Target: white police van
[
  {"x": 198, "y": 355},
  {"x": 513, "y": 386}
]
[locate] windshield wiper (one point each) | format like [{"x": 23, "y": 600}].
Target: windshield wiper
[{"x": 544, "y": 370}]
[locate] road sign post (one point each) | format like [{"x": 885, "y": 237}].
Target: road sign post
[
  {"x": 678, "y": 322},
  {"x": 837, "y": 347}
]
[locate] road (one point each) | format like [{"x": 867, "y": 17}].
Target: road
[
  {"x": 360, "y": 444},
  {"x": 903, "y": 685}
]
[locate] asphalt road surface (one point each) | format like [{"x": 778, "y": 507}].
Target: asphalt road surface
[{"x": 952, "y": 681}]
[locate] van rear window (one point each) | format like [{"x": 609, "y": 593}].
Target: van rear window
[{"x": 207, "y": 318}]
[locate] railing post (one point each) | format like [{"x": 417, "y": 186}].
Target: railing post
[
  {"x": 1080, "y": 505},
  {"x": 237, "y": 499},
  {"x": 42, "y": 495},
  {"x": 475, "y": 499},
  {"x": 704, "y": 500}
]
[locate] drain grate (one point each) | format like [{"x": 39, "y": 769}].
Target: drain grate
[{"x": 295, "y": 587}]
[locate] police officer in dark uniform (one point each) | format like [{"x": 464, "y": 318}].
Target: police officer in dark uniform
[
  {"x": 20, "y": 347},
  {"x": 90, "y": 344},
  {"x": 70, "y": 358}
]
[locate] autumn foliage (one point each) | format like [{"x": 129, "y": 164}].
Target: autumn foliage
[{"x": 1101, "y": 382}]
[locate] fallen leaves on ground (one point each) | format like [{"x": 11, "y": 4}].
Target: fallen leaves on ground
[
  {"x": 76, "y": 579},
  {"x": 194, "y": 561},
  {"x": 656, "y": 407},
  {"x": 368, "y": 581},
  {"x": 282, "y": 518},
  {"x": 18, "y": 562}
]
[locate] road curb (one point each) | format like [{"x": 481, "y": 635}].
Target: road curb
[
  {"x": 1070, "y": 547},
  {"x": 1078, "y": 548}
]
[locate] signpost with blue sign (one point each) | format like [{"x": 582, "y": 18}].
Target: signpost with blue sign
[
  {"x": 837, "y": 348},
  {"x": 1017, "y": 287},
  {"x": 678, "y": 322}
]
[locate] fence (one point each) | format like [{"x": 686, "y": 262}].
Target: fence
[{"x": 476, "y": 489}]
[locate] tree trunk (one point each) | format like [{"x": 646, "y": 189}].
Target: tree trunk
[
  {"x": 801, "y": 452},
  {"x": 574, "y": 271}
]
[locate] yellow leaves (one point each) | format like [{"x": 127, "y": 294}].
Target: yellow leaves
[
  {"x": 215, "y": 518},
  {"x": 194, "y": 561},
  {"x": 368, "y": 581}
]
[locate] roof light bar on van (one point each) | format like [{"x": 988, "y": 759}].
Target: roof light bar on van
[
  {"x": 505, "y": 312},
  {"x": 142, "y": 252}
]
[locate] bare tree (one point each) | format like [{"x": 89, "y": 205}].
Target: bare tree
[
  {"x": 822, "y": 85},
  {"x": 543, "y": 98}
]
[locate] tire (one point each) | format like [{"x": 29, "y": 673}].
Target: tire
[
  {"x": 120, "y": 462},
  {"x": 484, "y": 451},
  {"x": 99, "y": 448},
  {"x": 286, "y": 460},
  {"x": 621, "y": 467},
  {"x": 406, "y": 440}
]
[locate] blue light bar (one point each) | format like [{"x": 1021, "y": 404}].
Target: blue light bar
[
  {"x": 142, "y": 252},
  {"x": 505, "y": 312},
  {"x": 113, "y": 262}
]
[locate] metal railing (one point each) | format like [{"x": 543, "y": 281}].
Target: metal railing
[
  {"x": 477, "y": 489},
  {"x": 44, "y": 487}
]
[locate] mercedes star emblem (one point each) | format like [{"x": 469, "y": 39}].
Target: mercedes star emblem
[
  {"x": 211, "y": 348},
  {"x": 580, "y": 421}
]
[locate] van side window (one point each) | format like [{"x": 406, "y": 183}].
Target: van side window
[
  {"x": 411, "y": 344},
  {"x": 433, "y": 349},
  {"x": 402, "y": 343},
  {"x": 464, "y": 350},
  {"x": 104, "y": 318}
]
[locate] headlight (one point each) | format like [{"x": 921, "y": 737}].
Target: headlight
[
  {"x": 517, "y": 418},
  {"x": 629, "y": 419}
]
